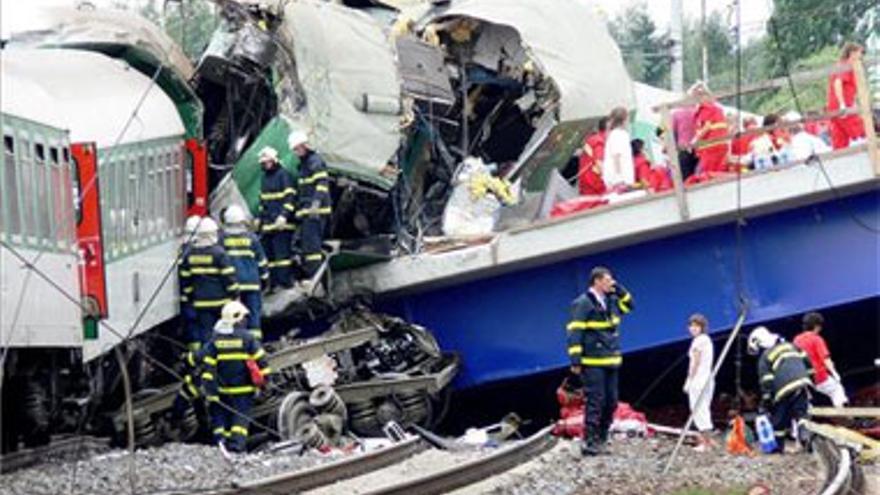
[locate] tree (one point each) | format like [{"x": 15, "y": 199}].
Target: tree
[
  {"x": 721, "y": 56},
  {"x": 645, "y": 51},
  {"x": 801, "y": 28}
]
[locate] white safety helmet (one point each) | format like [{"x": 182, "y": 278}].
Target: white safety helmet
[
  {"x": 192, "y": 223},
  {"x": 297, "y": 138},
  {"x": 206, "y": 233},
  {"x": 234, "y": 215},
  {"x": 268, "y": 154},
  {"x": 761, "y": 338},
  {"x": 791, "y": 116},
  {"x": 233, "y": 312}
]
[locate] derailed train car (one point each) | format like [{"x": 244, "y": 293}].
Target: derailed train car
[
  {"x": 102, "y": 162},
  {"x": 396, "y": 95}
]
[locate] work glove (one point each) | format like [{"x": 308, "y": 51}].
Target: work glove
[
  {"x": 280, "y": 221},
  {"x": 619, "y": 291}
]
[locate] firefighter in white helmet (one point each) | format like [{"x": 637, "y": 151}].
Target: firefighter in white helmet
[
  {"x": 207, "y": 278},
  {"x": 314, "y": 205},
  {"x": 251, "y": 267},
  {"x": 187, "y": 312},
  {"x": 784, "y": 374},
  {"x": 276, "y": 218},
  {"x": 234, "y": 366}
]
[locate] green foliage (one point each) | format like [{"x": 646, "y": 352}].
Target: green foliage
[
  {"x": 800, "y": 28},
  {"x": 810, "y": 96},
  {"x": 645, "y": 51},
  {"x": 720, "y": 50}
]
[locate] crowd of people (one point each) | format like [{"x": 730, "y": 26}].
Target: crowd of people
[
  {"x": 787, "y": 372},
  {"x": 710, "y": 143},
  {"x": 223, "y": 275}
]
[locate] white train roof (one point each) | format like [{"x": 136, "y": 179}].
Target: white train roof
[{"x": 88, "y": 94}]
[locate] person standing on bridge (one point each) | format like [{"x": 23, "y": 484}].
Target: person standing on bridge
[
  {"x": 710, "y": 140},
  {"x": 594, "y": 350},
  {"x": 314, "y": 202},
  {"x": 276, "y": 215},
  {"x": 827, "y": 379},
  {"x": 847, "y": 129}
]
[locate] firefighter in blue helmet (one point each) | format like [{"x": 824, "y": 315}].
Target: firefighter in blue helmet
[
  {"x": 207, "y": 278},
  {"x": 785, "y": 375},
  {"x": 251, "y": 267},
  {"x": 234, "y": 366},
  {"x": 594, "y": 350},
  {"x": 313, "y": 202},
  {"x": 187, "y": 311},
  {"x": 276, "y": 216}
]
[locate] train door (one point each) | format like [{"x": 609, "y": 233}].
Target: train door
[
  {"x": 196, "y": 177},
  {"x": 89, "y": 234}
]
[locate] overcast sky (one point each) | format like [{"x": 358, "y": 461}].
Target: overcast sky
[{"x": 754, "y": 12}]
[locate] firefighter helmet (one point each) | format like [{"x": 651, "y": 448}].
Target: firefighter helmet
[
  {"x": 234, "y": 215},
  {"x": 233, "y": 312},
  {"x": 761, "y": 338},
  {"x": 192, "y": 224},
  {"x": 268, "y": 153},
  {"x": 297, "y": 138}
]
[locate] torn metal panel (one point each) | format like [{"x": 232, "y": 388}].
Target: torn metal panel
[
  {"x": 423, "y": 71},
  {"x": 342, "y": 58},
  {"x": 569, "y": 42}
]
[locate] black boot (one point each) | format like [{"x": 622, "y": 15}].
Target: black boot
[{"x": 590, "y": 448}]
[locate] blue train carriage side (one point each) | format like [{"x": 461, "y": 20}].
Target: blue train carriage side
[{"x": 95, "y": 199}]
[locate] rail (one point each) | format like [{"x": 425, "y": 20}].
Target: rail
[
  {"x": 473, "y": 471},
  {"x": 863, "y": 109},
  {"x": 71, "y": 445},
  {"x": 325, "y": 474}
]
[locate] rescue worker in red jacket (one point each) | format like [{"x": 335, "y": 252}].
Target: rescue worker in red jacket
[
  {"x": 229, "y": 362},
  {"x": 594, "y": 350},
  {"x": 842, "y": 96},
  {"x": 711, "y": 125},
  {"x": 590, "y": 181}
]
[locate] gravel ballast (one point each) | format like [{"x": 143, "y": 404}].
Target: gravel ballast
[
  {"x": 634, "y": 469},
  {"x": 169, "y": 468}
]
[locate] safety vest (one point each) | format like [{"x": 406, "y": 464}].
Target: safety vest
[{"x": 593, "y": 336}]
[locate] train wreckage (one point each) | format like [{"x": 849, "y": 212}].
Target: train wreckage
[{"x": 431, "y": 115}]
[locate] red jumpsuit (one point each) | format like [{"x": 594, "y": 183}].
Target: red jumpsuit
[
  {"x": 711, "y": 125},
  {"x": 849, "y": 127},
  {"x": 590, "y": 181},
  {"x": 643, "y": 169},
  {"x": 739, "y": 152}
]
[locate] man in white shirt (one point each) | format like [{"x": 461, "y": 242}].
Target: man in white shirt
[{"x": 803, "y": 144}]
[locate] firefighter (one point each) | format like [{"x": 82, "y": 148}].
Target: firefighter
[
  {"x": 234, "y": 365},
  {"x": 711, "y": 125},
  {"x": 276, "y": 215},
  {"x": 251, "y": 267},
  {"x": 207, "y": 278},
  {"x": 314, "y": 202},
  {"x": 784, "y": 373},
  {"x": 594, "y": 350},
  {"x": 187, "y": 312}
]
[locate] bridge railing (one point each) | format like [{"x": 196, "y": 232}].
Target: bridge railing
[{"x": 863, "y": 109}]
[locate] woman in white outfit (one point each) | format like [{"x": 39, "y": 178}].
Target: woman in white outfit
[
  {"x": 618, "y": 169},
  {"x": 699, "y": 377}
]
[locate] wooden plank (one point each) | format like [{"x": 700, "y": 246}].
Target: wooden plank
[
  {"x": 845, "y": 412},
  {"x": 864, "y": 103},
  {"x": 675, "y": 165}
]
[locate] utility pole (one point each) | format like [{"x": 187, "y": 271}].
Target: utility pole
[
  {"x": 703, "y": 49},
  {"x": 675, "y": 38}
]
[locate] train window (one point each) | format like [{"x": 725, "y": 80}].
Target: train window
[
  {"x": 26, "y": 191},
  {"x": 44, "y": 201},
  {"x": 11, "y": 222}
]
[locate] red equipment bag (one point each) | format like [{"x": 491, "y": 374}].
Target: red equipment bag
[{"x": 257, "y": 377}]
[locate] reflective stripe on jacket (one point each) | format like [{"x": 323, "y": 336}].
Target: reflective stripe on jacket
[
  {"x": 224, "y": 363},
  {"x": 782, "y": 370},
  {"x": 207, "y": 277},
  {"x": 248, "y": 258},
  {"x": 277, "y": 197},
  {"x": 593, "y": 336},
  {"x": 314, "y": 186}
]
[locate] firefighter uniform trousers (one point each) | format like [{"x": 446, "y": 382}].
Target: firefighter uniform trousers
[
  {"x": 314, "y": 210},
  {"x": 208, "y": 281},
  {"x": 594, "y": 344},
  {"x": 251, "y": 271},
  {"x": 189, "y": 389},
  {"x": 228, "y": 385},
  {"x": 277, "y": 198},
  {"x": 785, "y": 375}
]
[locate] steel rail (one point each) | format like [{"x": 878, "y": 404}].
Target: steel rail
[
  {"x": 331, "y": 472},
  {"x": 473, "y": 471},
  {"x": 59, "y": 446}
]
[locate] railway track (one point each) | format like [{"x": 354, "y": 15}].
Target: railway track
[
  {"x": 477, "y": 468},
  {"x": 60, "y": 447}
]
